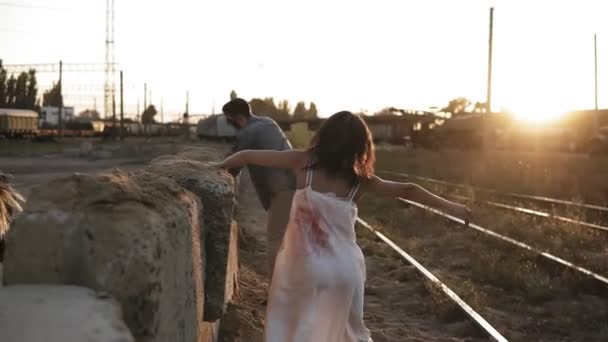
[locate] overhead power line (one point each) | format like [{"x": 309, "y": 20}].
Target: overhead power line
[{"x": 13, "y": 4}]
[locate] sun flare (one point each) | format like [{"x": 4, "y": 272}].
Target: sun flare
[{"x": 537, "y": 114}]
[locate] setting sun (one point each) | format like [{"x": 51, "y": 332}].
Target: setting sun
[{"x": 537, "y": 114}]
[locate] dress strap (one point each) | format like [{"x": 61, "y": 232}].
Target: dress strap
[
  {"x": 309, "y": 174},
  {"x": 353, "y": 191}
]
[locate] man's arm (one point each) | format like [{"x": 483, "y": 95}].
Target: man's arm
[
  {"x": 244, "y": 141},
  {"x": 290, "y": 159}
]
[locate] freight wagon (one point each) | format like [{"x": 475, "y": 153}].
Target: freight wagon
[
  {"x": 215, "y": 127},
  {"x": 18, "y": 123}
]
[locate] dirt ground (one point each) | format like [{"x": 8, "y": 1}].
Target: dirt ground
[
  {"x": 36, "y": 163},
  {"x": 521, "y": 295},
  {"x": 26, "y": 179},
  {"x": 523, "y": 298}
]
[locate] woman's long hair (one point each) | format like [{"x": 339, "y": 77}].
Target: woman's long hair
[
  {"x": 10, "y": 203},
  {"x": 344, "y": 147}
]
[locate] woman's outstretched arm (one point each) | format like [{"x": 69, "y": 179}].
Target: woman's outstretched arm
[{"x": 418, "y": 194}]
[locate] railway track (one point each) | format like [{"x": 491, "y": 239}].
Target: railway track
[
  {"x": 503, "y": 306},
  {"x": 595, "y": 207},
  {"x": 567, "y": 264},
  {"x": 475, "y": 317},
  {"x": 537, "y": 213}
]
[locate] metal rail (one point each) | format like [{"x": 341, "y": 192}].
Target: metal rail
[
  {"x": 514, "y": 242},
  {"x": 538, "y": 213},
  {"x": 471, "y": 313},
  {"x": 511, "y": 194}
]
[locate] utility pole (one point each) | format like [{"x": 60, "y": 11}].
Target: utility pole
[
  {"x": 60, "y": 86},
  {"x": 113, "y": 116},
  {"x": 110, "y": 86},
  {"x": 596, "y": 115},
  {"x": 490, "y": 42},
  {"x": 595, "y": 55},
  {"x": 486, "y": 118},
  {"x": 145, "y": 96},
  {"x": 187, "y": 101},
  {"x": 162, "y": 115},
  {"x": 187, "y": 115},
  {"x": 122, "y": 111}
]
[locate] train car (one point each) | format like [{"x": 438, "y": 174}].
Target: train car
[
  {"x": 134, "y": 129},
  {"x": 399, "y": 129},
  {"x": 215, "y": 127},
  {"x": 84, "y": 127},
  {"x": 154, "y": 129},
  {"x": 18, "y": 123}
]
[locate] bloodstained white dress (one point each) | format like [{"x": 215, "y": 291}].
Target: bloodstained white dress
[{"x": 316, "y": 293}]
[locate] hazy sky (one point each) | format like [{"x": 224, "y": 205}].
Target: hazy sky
[{"x": 340, "y": 54}]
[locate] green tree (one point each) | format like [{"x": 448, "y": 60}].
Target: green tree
[
  {"x": 385, "y": 112},
  {"x": 312, "y": 111},
  {"x": 283, "y": 110},
  {"x": 2, "y": 85},
  {"x": 480, "y": 107},
  {"x": 147, "y": 117},
  {"x": 21, "y": 91},
  {"x": 264, "y": 107},
  {"x": 32, "y": 91},
  {"x": 10, "y": 92},
  {"x": 300, "y": 111},
  {"x": 457, "y": 106},
  {"x": 52, "y": 97},
  {"x": 233, "y": 95}
]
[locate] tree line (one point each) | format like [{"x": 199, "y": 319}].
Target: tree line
[
  {"x": 21, "y": 92},
  {"x": 282, "y": 109},
  {"x": 455, "y": 107}
]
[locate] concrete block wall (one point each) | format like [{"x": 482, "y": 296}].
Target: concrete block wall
[{"x": 160, "y": 242}]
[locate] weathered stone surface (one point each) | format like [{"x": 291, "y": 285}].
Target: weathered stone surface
[
  {"x": 136, "y": 237},
  {"x": 216, "y": 191},
  {"x": 56, "y": 313},
  {"x": 202, "y": 154}
]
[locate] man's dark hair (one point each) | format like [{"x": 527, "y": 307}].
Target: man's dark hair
[{"x": 237, "y": 106}]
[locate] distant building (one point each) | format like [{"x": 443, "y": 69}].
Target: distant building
[{"x": 49, "y": 116}]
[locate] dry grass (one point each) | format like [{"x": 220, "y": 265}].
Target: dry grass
[
  {"x": 562, "y": 175},
  {"x": 25, "y": 148},
  {"x": 523, "y": 295}
]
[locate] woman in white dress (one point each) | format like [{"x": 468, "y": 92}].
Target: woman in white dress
[{"x": 316, "y": 294}]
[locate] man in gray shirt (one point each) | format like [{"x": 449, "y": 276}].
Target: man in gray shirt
[{"x": 275, "y": 187}]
